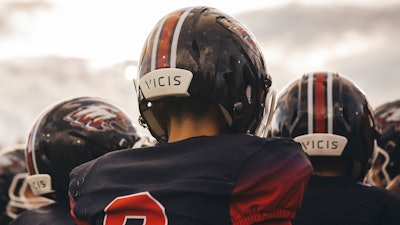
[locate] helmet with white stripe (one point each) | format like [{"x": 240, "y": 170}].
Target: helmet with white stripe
[
  {"x": 330, "y": 116},
  {"x": 203, "y": 53}
]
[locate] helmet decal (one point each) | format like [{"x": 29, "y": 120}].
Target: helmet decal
[
  {"x": 322, "y": 144},
  {"x": 168, "y": 81},
  {"x": 239, "y": 30},
  {"x": 390, "y": 117},
  {"x": 94, "y": 118}
]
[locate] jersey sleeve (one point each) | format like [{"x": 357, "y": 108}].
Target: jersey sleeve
[
  {"x": 76, "y": 186},
  {"x": 271, "y": 184}
]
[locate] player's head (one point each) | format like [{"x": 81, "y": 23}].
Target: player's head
[
  {"x": 386, "y": 163},
  {"x": 203, "y": 55},
  {"x": 12, "y": 162},
  {"x": 332, "y": 119},
  {"x": 70, "y": 133}
]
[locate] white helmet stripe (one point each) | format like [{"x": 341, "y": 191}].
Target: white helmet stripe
[
  {"x": 329, "y": 103},
  {"x": 175, "y": 39},
  {"x": 310, "y": 105}
]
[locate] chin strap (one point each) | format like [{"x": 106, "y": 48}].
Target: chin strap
[{"x": 269, "y": 106}]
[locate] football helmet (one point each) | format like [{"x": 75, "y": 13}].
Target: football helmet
[
  {"x": 12, "y": 162},
  {"x": 330, "y": 116},
  {"x": 386, "y": 162},
  {"x": 203, "y": 53},
  {"x": 70, "y": 133}
]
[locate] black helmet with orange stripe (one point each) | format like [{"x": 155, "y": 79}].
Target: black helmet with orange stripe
[
  {"x": 203, "y": 53},
  {"x": 330, "y": 116}
]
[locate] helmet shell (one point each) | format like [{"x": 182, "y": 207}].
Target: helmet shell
[
  {"x": 75, "y": 131},
  {"x": 328, "y": 103},
  {"x": 210, "y": 55}
]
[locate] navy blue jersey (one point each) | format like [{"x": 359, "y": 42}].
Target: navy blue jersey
[
  {"x": 226, "y": 179},
  {"x": 341, "y": 201},
  {"x": 57, "y": 213}
]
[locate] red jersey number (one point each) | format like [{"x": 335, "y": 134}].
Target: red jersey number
[{"x": 136, "y": 206}]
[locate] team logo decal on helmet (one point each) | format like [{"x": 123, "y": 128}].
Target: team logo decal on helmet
[
  {"x": 69, "y": 133},
  {"x": 389, "y": 117},
  {"x": 239, "y": 30},
  {"x": 96, "y": 118}
]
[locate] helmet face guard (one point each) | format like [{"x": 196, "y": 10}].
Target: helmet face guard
[
  {"x": 330, "y": 116},
  {"x": 12, "y": 163},
  {"x": 21, "y": 197},
  {"x": 386, "y": 162},
  {"x": 202, "y": 53},
  {"x": 70, "y": 133}
]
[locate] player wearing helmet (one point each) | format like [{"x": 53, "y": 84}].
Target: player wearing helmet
[
  {"x": 67, "y": 134},
  {"x": 385, "y": 170},
  {"x": 332, "y": 119},
  {"x": 203, "y": 93}
]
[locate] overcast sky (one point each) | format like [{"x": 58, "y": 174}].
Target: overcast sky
[{"x": 51, "y": 50}]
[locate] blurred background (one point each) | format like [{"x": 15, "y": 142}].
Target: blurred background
[{"x": 56, "y": 49}]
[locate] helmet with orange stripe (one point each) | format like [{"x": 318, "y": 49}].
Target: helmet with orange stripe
[
  {"x": 202, "y": 53},
  {"x": 331, "y": 118}
]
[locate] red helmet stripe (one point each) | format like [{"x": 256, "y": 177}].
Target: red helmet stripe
[
  {"x": 320, "y": 102},
  {"x": 29, "y": 161},
  {"x": 166, "y": 40},
  {"x": 164, "y": 44}
]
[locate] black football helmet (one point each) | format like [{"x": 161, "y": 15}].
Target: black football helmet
[
  {"x": 12, "y": 162},
  {"x": 203, "y": 53},
  {"x": 70, "y": 133},
  {"x": 386, "y": 163},
  {"x": 330, "y": 116}
]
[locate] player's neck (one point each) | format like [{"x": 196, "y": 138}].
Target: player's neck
[{"x": 183, "y": 128}]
